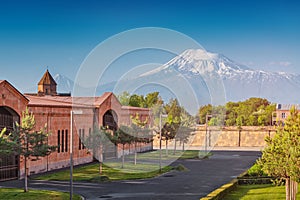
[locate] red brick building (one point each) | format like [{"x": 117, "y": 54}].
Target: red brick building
[{"x": 55, "y": 109}]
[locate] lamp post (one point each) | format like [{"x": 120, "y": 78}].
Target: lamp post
[
  {"x": 208, "y": 117},
  {"x": 76, "y": 112},
  {"x": 160, "y": 127}
]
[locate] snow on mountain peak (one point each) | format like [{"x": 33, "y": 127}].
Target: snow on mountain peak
[
  {"x": 199, "y": 61},
  {"x": 198, "y": 54}
]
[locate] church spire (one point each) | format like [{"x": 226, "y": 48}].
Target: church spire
[{"x": 47, "y": 85}]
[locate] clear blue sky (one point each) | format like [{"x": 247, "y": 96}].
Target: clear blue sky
[{"x": 60, "y": 34}]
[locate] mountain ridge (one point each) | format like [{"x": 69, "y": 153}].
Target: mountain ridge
[
  {"x": 197, "y": 66},
  {"x": 64, "y": 84}
]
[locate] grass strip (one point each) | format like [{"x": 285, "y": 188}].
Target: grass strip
[
  {"x": 13, "y": 193},
  {"x": 178, "y": 154},
  {"x": 111, "y": 171},
  {"x": 257, "y": 192}
]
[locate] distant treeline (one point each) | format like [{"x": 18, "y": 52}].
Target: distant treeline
[
  {"x": 142, "y": 101},
  {"x": 251, "y": 112},
  {"x": 176, "y": 113}
]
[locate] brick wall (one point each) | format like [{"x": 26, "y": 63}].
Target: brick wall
[
  {"x": 57, "y": 120},
  {"x": 246, "y": 136}
]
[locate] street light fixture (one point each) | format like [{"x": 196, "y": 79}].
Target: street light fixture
[
  {"x": 160, "y": 127},
  {"x": 72, "y": 112}
]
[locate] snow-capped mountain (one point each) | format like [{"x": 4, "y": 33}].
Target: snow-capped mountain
[
  {"x": 197, "y": 77},
  {"x": 64, "y": 84},
  {"x": 199, "y": 61},
  {"x": 240, "y": 82}
]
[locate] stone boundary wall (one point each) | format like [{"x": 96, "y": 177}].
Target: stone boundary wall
[{"x": 210, "y": 136}]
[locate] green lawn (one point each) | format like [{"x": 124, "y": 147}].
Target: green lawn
[
  {"x": 154, "y": 155},
  {"x": 12, "y": 193},
  {"x": 147, "y": 167},
  {"x": 258, "y": 192},
  {"x": 112, "y": 172}
]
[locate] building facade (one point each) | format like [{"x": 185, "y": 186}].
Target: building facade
[
  {"x": 56, "y": 110},
  {"x": 282, "y": 112}
]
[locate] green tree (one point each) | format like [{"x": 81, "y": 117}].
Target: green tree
[
  {"x": 151, "y": 99},
  {"x": 203, "y": 112},
  {"x": 122, "y": 136},
  {"x": 5, "y": 144},
  {"x": 240, "y": 121},
  {"x": 213, "y": 121},
  {"x": 156, "y": 110},
  {"x": 95, "y": 142},
  {"x": 124, "y": 98},
  {"x": 25, "y": 141},
  {"x": 137, "y": 100},
  {"x": 251, "y": 112},
  {"x": 281, "y": 157},
  {"x": 176, "y": 113},
  {"x": 262, "y": 120},
  {"x": 168, "y": 132},
  {"x": 173, "y": 110},
  {"x": 253, "y": 120},
  {"x": 183, "y": 135},
  {"x": 187, "y": 122},
  {"x": 217, "y": 116},
  {"x": 231, "y": 113},
  {"x": 140, "y": 133}
]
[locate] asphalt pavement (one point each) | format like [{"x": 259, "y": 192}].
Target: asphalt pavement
[{"x": 202, "y": 177}]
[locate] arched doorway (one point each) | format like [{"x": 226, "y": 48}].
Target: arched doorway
[
  {"x": 110, "y": 121},
  {"x": 9, "y": 164}
]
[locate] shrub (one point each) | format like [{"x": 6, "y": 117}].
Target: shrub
[
  {"x": 256, "y": 170},
  {"x": 99, "y": 179},
  {"x": 254, "y": 175},
  {"x": 181, "y": 167}
]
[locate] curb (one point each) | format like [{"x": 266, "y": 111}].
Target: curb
[{"x": 220, "y": 192}]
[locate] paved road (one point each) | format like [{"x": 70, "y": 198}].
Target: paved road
[{"x": 203, "y": 177}]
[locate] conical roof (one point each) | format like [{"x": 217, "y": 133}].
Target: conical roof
[{"x": 47, "y": 79}]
